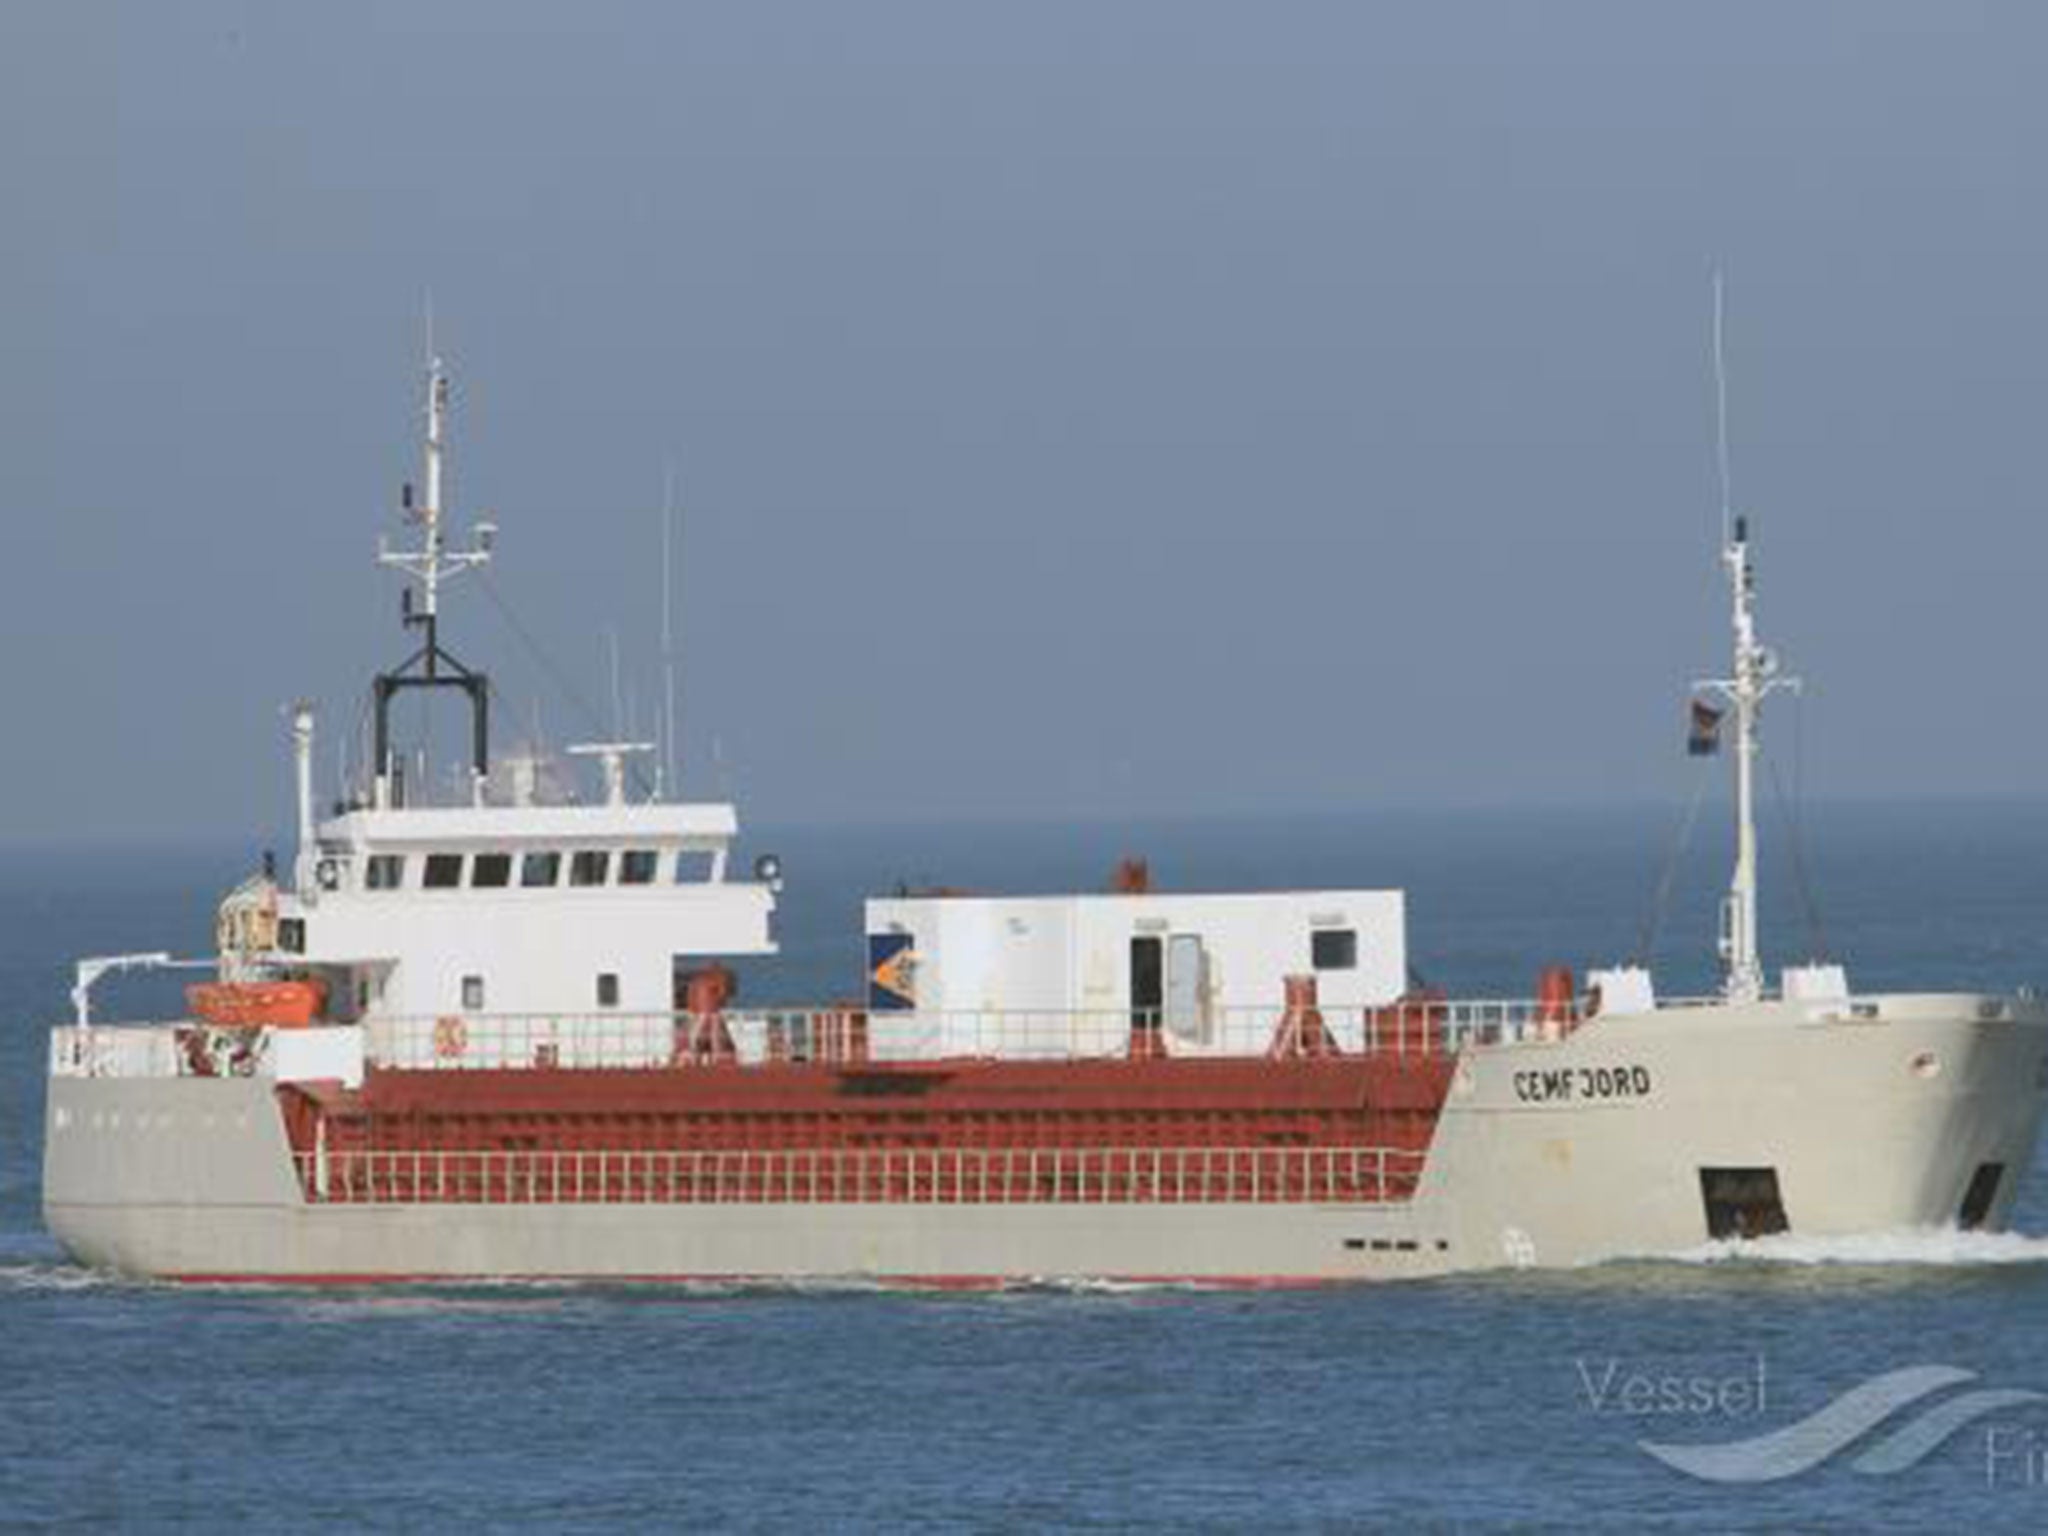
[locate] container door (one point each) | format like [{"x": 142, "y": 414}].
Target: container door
[
  {"x": 1186, "y": 982},
  {"x": 1146, "y": 989}
]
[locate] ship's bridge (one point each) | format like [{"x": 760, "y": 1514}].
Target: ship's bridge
[
  {"x": 468, "y": 909},
  {"x": 522, "y": 848}
]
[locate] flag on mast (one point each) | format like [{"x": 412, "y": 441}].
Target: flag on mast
[{"x": 1704, "y": 740}]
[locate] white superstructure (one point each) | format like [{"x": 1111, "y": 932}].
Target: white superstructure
[{"x": 534, "y": 908}]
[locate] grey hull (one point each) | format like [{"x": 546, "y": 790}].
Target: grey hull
[{"x": 1549, "y": 1153}]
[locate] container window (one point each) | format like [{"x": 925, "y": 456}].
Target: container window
[
  {"x": 492, "y": 871},
  {"x": 607, "y": 989},
  {"x": 539, "y": 869},
  {"x": 444, "y": 871},
  {"x": 589, "y": 866},
  {"x": 386, "y": 872},
  {"x": 1334, "y": 949},
  {"x": 637, "y": 865},
  {"x": 472, "y": 994}
]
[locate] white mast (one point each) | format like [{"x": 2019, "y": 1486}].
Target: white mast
[
  {"x": 433, "y": 562},
  {"x": 302, "y": 762},
  {"x": 1755, "y": 677}
]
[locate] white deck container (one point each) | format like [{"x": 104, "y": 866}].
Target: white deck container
[{"x": 1054, "y": 976}]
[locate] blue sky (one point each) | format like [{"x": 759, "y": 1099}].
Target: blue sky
[{"x": 1077, "y": 410}]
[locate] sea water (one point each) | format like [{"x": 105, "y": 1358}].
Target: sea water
[{"x": 1512, "y": 1399}]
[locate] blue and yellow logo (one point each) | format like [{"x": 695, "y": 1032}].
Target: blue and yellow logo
[{"x": 892, "y": 972}]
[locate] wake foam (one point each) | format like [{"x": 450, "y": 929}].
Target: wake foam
[
  {"x": 454, "y": 1294},
  {"x": 53, "y": 1277},
  {"x": 1052, "y": 1285},
  {"x": 1928, "y": 1247}
]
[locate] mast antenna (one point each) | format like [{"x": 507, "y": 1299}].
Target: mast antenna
[
  {"x": 429, "y": 566},
  {"x": 1721, "y": 420},
  {"x": 1753, "y": 678},
  {"x": 611, "y": 636},
  {"x": 670, "y": 782}
]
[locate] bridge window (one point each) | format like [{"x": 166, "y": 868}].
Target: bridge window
[
  {"x": 444, "y": 871},
  {"x": 636, "y": 866},
  {"x": 693, "y": 867},
  {"x": 491, "y": 870},
  {"x": 608, "y": 989},
  {"x": 540, "y": 869},
  {"x": 589, "y": 866},
  {"x": 291, "y": 935},
  {"x": 1334, "y": 949},
  {"x": 386, "y": 872}
]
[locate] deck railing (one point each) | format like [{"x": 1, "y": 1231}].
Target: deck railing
[
  {"x": 763, "y": 1036},
  {"x": 770, "y": 1036},
  {"x": 122, "y": 1050},
  {"x": 828, "y": 1176}
]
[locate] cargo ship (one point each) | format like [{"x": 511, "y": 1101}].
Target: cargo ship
[{"x": 492, "y": 1031}]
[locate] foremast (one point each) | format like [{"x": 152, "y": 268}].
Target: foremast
[{"x": 1755, "y": 676}]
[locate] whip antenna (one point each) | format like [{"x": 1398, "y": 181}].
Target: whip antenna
[
  {"x": 1721, "y": 420},
  {"x": 671, "y": 782}
]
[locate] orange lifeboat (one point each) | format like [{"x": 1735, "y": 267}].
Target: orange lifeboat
[{"x": 290, "y": 1004}]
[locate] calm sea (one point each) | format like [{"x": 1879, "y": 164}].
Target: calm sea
[{"x": 1495, "y": 1400}]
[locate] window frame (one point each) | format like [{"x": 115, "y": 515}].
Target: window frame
[{"x": 1347, "y": 956}]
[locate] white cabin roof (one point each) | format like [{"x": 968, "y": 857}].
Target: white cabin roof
[{"x": 708, "y": 823}]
